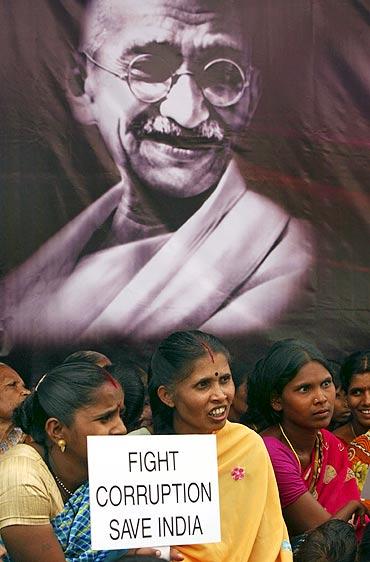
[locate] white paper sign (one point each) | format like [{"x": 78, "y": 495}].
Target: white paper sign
[{"x": 153, "y": 490}]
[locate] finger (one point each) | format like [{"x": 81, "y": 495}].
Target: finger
[
  {"x": 176, "y": 555},
  {"x": 147, "y": 552}
]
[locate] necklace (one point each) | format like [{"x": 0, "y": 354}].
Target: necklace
[
  {"x": 291, "y": 446},
  {"x": 58, "y": 480},
  {"x": 313, "y": 473}
]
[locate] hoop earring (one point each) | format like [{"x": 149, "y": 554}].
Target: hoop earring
[{"x": 62, "y": 445}]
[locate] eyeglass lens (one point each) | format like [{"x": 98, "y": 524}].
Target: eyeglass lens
[{"x": 150, "y": 79}]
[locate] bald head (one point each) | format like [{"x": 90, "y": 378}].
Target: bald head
[
  {"x": 104, "y": 17},
  {"x": 12, "y": 391},
  {"x": 6, "y": 370},
  {"x": 168, "y": 84}
]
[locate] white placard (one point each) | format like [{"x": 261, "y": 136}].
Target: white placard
[{"x": 153, "y": 490}]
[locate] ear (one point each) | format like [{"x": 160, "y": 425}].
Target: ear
[
  {"x": 54, "y": 429},
  {"x": 79, "y": 91},
  {"x": 276, "y": 404},
  {"x": 165, "y": 396},
  {"x": 255, "y": 91}
]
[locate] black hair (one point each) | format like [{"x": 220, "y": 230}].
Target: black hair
[
  {"x": 240, "y": 372},
  {"x": 333, "y": 541},
  {"x": 364, "y": 546},
  {"x": 87, "y": 355},
  {"x": 335, "y": 372},
  {"x": 172, "y": 362},
  {"x": 357, "y": 363},
  {"x": 59, "y": 394},
  {"x": 130, "y": 375},
  {"x": 271, "y": 374}
]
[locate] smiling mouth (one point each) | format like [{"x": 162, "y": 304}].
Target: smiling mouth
[
  {"x": 365, "y": 412},
  {"x": 183, "y": 141},
  {"x": 217, "y": 412}
]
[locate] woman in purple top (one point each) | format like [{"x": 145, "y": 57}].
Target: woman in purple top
[{"x": 290, "y": 400}]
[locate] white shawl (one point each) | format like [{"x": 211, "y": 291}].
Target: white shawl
[{"x": 233, "y": 267}]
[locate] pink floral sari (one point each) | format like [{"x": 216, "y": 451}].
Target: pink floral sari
[{"x": 329, "y": 477}]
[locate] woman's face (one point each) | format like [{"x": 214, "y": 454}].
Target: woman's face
[
  {"x": 202, "y": 401},
  {"x": 307, "y": 400},
  {"x": 342, "y": 413},
  {"x": 358, "y": 398},
  {"x": 239, "y": 405},
  {"x": 102, "y": 417}
]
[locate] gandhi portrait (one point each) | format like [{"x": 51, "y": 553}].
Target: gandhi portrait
[{"x": 170, "y": 85}]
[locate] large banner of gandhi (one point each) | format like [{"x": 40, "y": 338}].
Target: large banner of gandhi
[{"x": 174, "y": 164}]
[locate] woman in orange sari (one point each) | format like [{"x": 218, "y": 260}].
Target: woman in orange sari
[
  {"x": 359, "y": 458},
  {"x": 355, "y": 377}
]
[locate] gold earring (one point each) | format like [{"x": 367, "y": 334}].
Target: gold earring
[{"x": 62, "y": 445}]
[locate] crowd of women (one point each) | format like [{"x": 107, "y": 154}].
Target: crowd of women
[{"x": 292, "y": 449}]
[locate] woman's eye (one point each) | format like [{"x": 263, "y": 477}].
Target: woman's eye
[
  {"x": 326, "y": 384},
  {"x": 202, "y": 384},
  {"x": 303, "y": 388},
  {"x": 106, "y": 418},
  {"x": 225, "y": 379}
]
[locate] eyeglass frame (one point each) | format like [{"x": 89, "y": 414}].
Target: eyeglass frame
[{"x": 125, "y": 77}]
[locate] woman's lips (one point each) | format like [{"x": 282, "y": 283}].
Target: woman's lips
[{"x": 322, "y": 413}]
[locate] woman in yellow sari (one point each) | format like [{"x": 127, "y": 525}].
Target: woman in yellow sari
[{"x": 191, "y": 390}]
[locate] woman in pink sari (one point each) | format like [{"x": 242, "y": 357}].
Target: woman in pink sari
[{"x": 291, "y": 399}]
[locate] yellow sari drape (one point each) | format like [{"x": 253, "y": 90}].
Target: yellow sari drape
[{"x": 252, "y": 525}]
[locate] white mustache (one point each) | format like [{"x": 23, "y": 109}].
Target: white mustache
[{"x": 207, "y": 130}]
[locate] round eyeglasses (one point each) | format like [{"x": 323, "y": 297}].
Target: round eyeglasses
[{"x": 150, "y": 79}]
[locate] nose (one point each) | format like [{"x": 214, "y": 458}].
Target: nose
[
  {"x": 320, "y": 397},
  {"x": 119, "y": 428},
  {"x": 367, "y": 398},
  {"x": 185, "y": 103},
  {"x": 218, "y": 393},
  {"x": 25, "y": 391}
]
